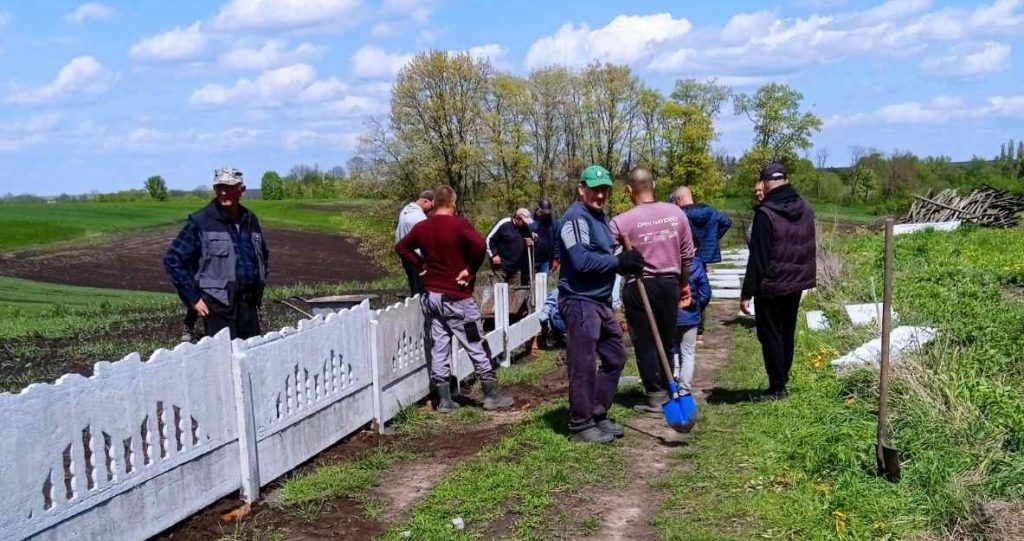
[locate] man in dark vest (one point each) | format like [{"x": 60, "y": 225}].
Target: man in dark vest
[
  {"x": 219, "y": 261},
  {"x": 781, "y": 266}
]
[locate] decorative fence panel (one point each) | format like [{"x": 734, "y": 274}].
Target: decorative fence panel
[
  {"x": 402, "y": 372},
  {"x": 139, "y": 446},
  {"x": 309, "y": 387},
  {"x": 124, "y": 453}
]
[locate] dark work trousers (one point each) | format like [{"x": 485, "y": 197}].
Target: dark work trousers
[
  {"x": 413, "y": 276},
  {"x": 592, "y": 334},
  {"x": 700, "y": 326},
  {"x": 776, "y": 330},
  {"x": 663, "y": 292},
  {"x": 241, "y": 317}
]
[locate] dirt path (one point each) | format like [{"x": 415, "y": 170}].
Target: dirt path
[{"x": 650, "y": 446}]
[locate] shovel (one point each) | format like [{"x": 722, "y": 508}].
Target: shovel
[
  {"x": 681, "y": 409},
  {"x": 886, "y": 458}
]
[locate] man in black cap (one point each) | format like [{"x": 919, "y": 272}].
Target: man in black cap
[
  {"x": 781, "y": 266},
  {"x": 543, "y": 228}
]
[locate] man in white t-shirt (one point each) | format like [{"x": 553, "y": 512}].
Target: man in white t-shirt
[{"x": 412, "y": 214}]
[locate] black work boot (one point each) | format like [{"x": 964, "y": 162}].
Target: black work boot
[
  {"x": 443, "y": 402},
  {"x": 653, "y": 403},
  {"x": 609, "y": 426},
  {"x": 493, "y": 399},
  {"x": 592, "y": 435}
]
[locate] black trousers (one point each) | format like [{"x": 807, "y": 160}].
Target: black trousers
[
  {"x": 413, "y": 276},
  {"x": 776, "y": 330},
  {"x": 663, "y": 292},
  {"x": 241, "y": 317}
]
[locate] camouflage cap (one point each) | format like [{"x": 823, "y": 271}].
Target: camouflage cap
[{"x": 228, "y": 176}]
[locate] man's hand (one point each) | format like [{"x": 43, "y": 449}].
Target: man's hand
[
  {"x": 464, "y": 278},
  {"x": 745, "y": 306},
  {"x": 529, "y": 241},
  {"x": 201, "y": 308},
  {"x": 685, "y": 298},
  {"x": 555, "y": 265},
  {"x": 630, "y": 262},
  {"x": 496, "y": 261}
]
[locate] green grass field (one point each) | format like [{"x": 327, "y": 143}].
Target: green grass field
[
  {"x": 35, "y": 224},
  {"x": 823, "y": 211}
]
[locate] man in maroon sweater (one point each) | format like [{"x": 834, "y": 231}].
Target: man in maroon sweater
[{"x": 452, "y": 253}]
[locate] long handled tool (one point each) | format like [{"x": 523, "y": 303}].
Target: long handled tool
[
  {"x": 887, "y": 459},
  {"x": 533, "y": 277},
  {"x": 681, "y": 409}
]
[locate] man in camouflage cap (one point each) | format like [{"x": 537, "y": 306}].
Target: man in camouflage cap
[{"x": 219, "y": 261}]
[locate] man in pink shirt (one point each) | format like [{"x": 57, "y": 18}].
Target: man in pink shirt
[{"x": 660, "y": 232}]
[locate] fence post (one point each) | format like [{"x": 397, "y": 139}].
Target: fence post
[
  {"x": 373, "y": 336},
  {"x": 247, "y": 455},
  {"x": 501, "y": 320},
  {"x": 540, "y": 290}
]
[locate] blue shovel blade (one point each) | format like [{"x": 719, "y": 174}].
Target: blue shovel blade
[{"x": 681, "y": 411}]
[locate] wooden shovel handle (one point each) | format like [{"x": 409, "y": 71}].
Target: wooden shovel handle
[
  {"x": 883, "y": 369},
  {"x": 650, "y": 317}
]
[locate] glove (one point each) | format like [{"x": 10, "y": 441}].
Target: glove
[{"x": 630, "y": 262}]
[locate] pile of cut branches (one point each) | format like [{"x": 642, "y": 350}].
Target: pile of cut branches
[{"x": 988, "y": 207}]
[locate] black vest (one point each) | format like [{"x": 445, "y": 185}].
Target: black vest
[{"x": 794, "y": 250}]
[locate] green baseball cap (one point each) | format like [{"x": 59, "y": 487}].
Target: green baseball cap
[{"x": 595, "y": 176}]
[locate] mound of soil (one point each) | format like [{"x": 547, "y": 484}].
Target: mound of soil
[{"x": 134, "y": 261}]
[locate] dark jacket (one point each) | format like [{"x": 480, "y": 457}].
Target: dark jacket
[
  {"x": 213, "y": 258},
  {"x": 586, "y": 248},
  {"x": 509, "y": 242},
  {"x": 708, "y": 226},
  {"x": 544, "y": 246},
  {"x": 700, "y": 292},
  {"x": 782, "y": 246}
]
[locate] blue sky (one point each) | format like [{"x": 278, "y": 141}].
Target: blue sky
[{"x": 98, "y": 96}]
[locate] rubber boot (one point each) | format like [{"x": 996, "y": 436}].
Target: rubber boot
[
  {"x": 592, "y": 435},
  {"x": 443, "y": 394},
  {"x": 493, "y": 399},
  {"x": 653, "y": 405},
  {"x": 611, "y": 427}
]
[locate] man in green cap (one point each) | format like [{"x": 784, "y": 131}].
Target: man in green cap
[{"x": 584, "y": 300}]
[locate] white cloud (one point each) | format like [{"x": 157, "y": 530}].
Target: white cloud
[
  {"x": 296, "y": 83},
  {"x": 231, "y": 138},
  {"x": 626, "y": 39},
  {"x": 491, "y": 52},
  {"x": 285, "y": 14},
  {"x": 15, "y": 136},
  {"x": 417, "y": 10},
  {"x": 295, "y": 139},
  {"x": 274, "y": 53},
  {"x": 83, "y": 76},
  {"x": 171, "y": 46},
  {"x": 939, "y": 110},
  {"x": 89, "y": 10},
  {"x": 970, "y": 60},
  {"x": 372, "y": 61},
  {"x": 765, "y": 44},
  {"x": 4, "y": 19}
]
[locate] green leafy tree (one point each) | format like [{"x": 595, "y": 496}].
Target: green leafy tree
[
  {"x": 507, "y": 107},
  {"x": 436, "y": 112},
  {"x": 708, "y": 96},
  {"x": 157, "y": 187},
  {"x": 781, "y": 130},
  {"x": 687, "y": 133},
  {"x": 272, "y": 186}
]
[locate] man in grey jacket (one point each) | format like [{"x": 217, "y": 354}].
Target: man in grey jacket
[{"x": 412, "y": 214}]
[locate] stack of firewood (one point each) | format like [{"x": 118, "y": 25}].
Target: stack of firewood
[{"x": 987, "y": 207}]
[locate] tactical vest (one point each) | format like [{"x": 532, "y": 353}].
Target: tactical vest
[{"x": 793, "y": 254}]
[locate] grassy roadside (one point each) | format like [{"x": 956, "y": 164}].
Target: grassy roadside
[{"x": 804, "y": 468}]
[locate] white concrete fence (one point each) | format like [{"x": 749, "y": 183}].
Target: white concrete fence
[{"x": 139, "y": 446}]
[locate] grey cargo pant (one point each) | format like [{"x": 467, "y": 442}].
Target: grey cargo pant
[{"x": 459, "y": 318}]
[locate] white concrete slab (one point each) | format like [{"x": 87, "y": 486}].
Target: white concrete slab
[
  {"x": 725, "y": 283},
  {"x": 904, "y": 229},
  {"x": 717, "y": 271},
  {"x": 866, "y": 314},
  {"x": 903, "y": 340},
  {"x": 725, "y": 293},
  {"x": 816, "y": 320}
]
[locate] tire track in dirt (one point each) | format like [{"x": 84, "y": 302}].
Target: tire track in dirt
[{"x": 650, "y": 444}]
